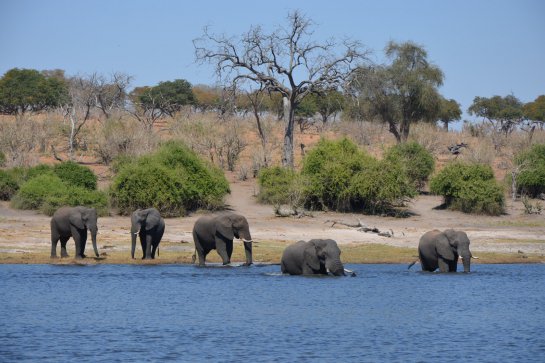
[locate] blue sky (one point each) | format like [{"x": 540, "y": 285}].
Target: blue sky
[{"x": 484, "y": 47}]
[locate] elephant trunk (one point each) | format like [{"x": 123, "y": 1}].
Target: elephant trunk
[
  {"x": 94, "y": 231},
  {"x": 335, "y": 267},
  {"x": 466, "y": 260}
]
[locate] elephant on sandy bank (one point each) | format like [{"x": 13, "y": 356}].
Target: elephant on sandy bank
[
  {"x": 73, "y": 222},
  {"x": 149, "y": 226},
  {"x": 216, "y": 232},
  {"x": 315, "y": 257},
  {"x": 441, "y": 250}
]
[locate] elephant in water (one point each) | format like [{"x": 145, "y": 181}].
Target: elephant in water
[
  {"x": 315, "y": 257},
  {"x": 149, "y": 226},
  {"x": 441, "y": 250},
  {"x": 73, "y": 222},
  {"x": 216, "y": 232}
]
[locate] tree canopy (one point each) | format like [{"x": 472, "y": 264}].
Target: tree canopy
[
  {"x": 286, "y": 61},
  {"x": 28, "y": 90},
  {"x": 401, "y": 93},
  {"x": 503, "y": 113}
]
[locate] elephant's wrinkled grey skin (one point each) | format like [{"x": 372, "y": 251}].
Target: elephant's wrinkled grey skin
[
  {"x": 441, "y": 250},
  {"x": 216, "y": 232},
  {"x": 315, "y": 257},
  {"x": 73, "y": 222},
  {"x": 149, "y": 226}
]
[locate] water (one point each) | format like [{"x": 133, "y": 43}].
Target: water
[{"x": 110, "y": 313}]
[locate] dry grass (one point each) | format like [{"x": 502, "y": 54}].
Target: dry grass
[{"x": 263, "y": 252}]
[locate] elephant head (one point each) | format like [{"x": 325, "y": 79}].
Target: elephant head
[
  {"x": 231, "y": 225},
  {"x": 324, "y": 254},
  {"x": 459, "y": 243},
  {"x": 142, "y": 219},
  {"x": 86, "y": 218}
]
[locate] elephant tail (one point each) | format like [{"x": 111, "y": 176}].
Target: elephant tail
[{"x": 411, "y": 264}]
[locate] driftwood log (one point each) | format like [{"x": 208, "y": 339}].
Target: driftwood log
[{"x": 362, "y": 228}]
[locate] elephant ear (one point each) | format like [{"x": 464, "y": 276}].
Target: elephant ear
[
  {"x": 152, "y": 220},
  {"x": 224, "y": 226},
  {"x": 444, "y": 248},
  {"x": 311, "y": 257},
  {"x": 76, "y": 220}
]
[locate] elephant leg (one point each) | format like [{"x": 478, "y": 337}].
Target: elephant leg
[
  {"x": 221, "y": 247},
  {"x": 76, "y": 235},
  {"x": 229, "y": 245},
  {"x": 443, "y": 265},
  {"x": 64, "y": 240},
  {"x": 83, "y": 242},
  {"x": 54, "y": 240},
  {"x": 147, "y": 254},
  {"x": 142, "y": 237},
  {"x": 453, "y": 265}
]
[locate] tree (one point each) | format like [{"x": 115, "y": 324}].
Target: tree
[
  {"x": 450, "y": 111},
  {"x": 285, "y": 61},
  {"x": 534, "y": 114},
  {"x": 169, "y": 97},
  {"x": 28, "y": 90},
  {"x": 329, "y": 103},
  {"x": 503, "y": 113},
  {"x": 402, "y": 93},
  {"x": 206, "y": 97}
]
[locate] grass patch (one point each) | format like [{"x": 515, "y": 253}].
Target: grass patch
[
  {"x": 263, "y": 252},
  {"x": 515, "y": 223}
]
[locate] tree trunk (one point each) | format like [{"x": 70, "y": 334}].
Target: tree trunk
[{"x": 287, "y": 152}]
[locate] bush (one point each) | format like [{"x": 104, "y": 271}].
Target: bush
[
  {"x": 531, "y": 180},
  {"x": 417, "y": 162},
  {"x": 8, "y": 186},
  {"x": 76, "y": 175},
  {"x": 470, "y": 188},
  {"x": 173, "y": 180},
  {"x": 276, "y": 185},
  {"x": 23, "y": 174},
  {"x": 48, "y": 192}
]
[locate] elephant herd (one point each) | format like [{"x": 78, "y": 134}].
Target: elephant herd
[{"x": 436, "y": 249}]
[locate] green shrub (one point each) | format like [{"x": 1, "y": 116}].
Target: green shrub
[
  {"x": 531, "y": 180},
  {"x": 23, "y": 174},
  {"x": 77, "y": 175},
  {"x": 173, "y": 180},
  {"x": 342, "y": 177},
  {"x": 417, "y": 162},
  {"x": 276, "y": 185},
  {"x": 8, "y": 186},
  {"x": 47, "y": 192},
  {"x": 470, "y": 188}
]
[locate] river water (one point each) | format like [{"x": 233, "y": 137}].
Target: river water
[{"x": 128, "y": 313}]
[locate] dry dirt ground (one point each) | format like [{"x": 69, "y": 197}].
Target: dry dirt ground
[{"x": 24, "y": 234}]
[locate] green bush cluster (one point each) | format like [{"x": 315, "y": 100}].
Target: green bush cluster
[
  {"x": 173, "y": 180},
  {"x": 417, "y": 162},
  {"x": 337, "y": 175},
  {"x": 470, "y": 188},
  {"x": 47, "y": 188},
  {"x": 8, "y": 185},
  {"x": 276, "y": 185},
  {"x": 531, "y": 180}
]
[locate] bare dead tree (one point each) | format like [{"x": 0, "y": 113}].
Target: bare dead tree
[
  {"x": 111, "y": 94},
  {"x": 284, "y": 61}
]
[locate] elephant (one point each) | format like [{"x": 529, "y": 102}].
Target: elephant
[
  {"x": 150, "y": 226},
  {"x": 73, "y": 222},
  {"x": 217, "y": 232},
  {"x": 441, "y": 250},
  {"x": 315, "y": 257}
]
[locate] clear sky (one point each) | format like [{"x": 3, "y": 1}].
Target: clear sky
[{"x": 484, "y": 47}]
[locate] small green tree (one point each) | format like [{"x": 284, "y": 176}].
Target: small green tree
[
  {"x": 8, "y": 185},
  {"x": 450, "y": 111},
  {"x": 28, "y": 90},
  {"x": 503, "y": 113},
  {"x": 77, "y": 175},
  {"x": 417, "y": 162},
  {"x": 531, "y": 165},
  {"x": 470, "y": 188}
]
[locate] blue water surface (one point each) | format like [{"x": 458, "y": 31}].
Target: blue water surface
[{"x": 181, "y": 313}]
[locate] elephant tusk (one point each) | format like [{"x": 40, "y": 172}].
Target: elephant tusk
[
  {"x": 475, "y": 257},
  {"x": 246, "y": 241}
]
